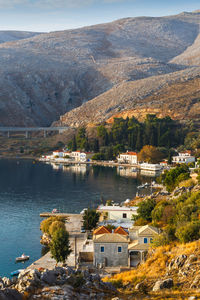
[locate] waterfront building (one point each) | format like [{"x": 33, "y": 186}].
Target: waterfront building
[
  {"x": 183, "y": 158},
  {"x": 79, "y": 156},
  {"x": 128, "y": 158}
]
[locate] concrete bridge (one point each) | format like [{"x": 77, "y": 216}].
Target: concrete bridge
[{"x": 28, "y": 130}]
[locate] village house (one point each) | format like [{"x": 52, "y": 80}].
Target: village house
[
  {"x": 122, "y": 248},
  {"x": 79, "y": 156},
  {"x": 128, "y": 158},
  {"x": 141, "y": 238},
  {"x": 183, "y": 158},
  {"x": 110, "y": 250},
  {"x": 117, "y": 213}
]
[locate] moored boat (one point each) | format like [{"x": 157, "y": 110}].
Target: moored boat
[
  {"x": 16, "y": 272},
  {"x": 22, "y": 258}
]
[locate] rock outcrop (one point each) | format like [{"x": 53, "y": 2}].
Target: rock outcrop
[{"x": 61, "y": 283}]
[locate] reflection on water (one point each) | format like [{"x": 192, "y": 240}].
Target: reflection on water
[{"x": 27, "y": 189}]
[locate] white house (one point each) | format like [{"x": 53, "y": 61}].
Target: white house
[
  {"x": 117, "y": 212},
  {"x": 79, "y": 156},
  {"x": 183, "y": 158},
  {"x": 57, "y": 153},
  {"x": 128, "y": 158}
]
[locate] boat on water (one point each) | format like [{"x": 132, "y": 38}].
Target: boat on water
[
  {"x": 22, "y": 258},
  {"x": 16, "y": 272},
  {"x": 141, "y": 186}
]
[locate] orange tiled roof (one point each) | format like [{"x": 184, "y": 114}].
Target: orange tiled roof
[
  {"x": 120, "y": 230},
  {"x": 101, "y": 230}
]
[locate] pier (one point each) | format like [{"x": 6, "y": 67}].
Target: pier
[{"x": 63, "y": 215}]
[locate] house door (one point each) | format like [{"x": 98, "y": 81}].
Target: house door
[{"x": 135, "y": 258}]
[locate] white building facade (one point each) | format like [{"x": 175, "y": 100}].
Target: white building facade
[
  {"x": 128, "y": 158},
  {"x": 183, "y": 158}
]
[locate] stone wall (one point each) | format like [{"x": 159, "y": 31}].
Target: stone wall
[{"x": 111, "y": 257}]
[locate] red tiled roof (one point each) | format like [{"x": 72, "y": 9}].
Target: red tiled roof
[
  {"x": 120, "y": 230},
  {"x": 101, "y": 230},
  {"x": 129, "y": 153}
]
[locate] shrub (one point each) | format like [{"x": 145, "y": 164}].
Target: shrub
[
  {"x": 188, "y": 232},
  {"x": 160, "y": 240},
  {"x": 144, "y": 210}
]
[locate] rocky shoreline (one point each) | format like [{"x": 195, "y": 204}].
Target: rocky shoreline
[{"x": 61, "y": 283}]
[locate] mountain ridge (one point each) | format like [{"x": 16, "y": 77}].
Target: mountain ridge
[{"x": 48, "y": 75}]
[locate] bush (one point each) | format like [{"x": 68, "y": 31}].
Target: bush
[
  {"x": 144, "y": 210},
  {"x": 173, "y": 177},
  {"x": 160, "y": 240},
  {"x": 188, "y": 232},
  {"x": 98, "y": 156}
]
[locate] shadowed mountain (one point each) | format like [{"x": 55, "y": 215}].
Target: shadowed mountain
[{"x": 47, "y": 75}]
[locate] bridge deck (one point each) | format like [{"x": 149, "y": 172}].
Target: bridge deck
[{"x": 16, "y": 129}]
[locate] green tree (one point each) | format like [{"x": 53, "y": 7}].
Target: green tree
[
  {"x": 81, "y": 139},
  {"x": 90, "y": 219},
  {"x": 145, "y": 209},
  {"x": 46, "y": 223},
  {"x": 60, "y": 246},
  {"x": 74, "y": 146},
  {"x": 55, "y": 226},
  {"x": 98, "y": 156}
]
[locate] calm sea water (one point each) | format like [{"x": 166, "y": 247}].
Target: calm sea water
[{"x": 27, "y": 189}]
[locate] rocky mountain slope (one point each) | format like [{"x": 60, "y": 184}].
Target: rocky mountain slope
[
  {"x": 45, "y": 76},
  {"x": 10, "y": 35},
  {"x": 175, "y": 94}
]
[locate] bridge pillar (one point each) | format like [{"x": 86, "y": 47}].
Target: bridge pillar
[
  {"x": 45, "y": 134},
  {"x": 8, "y": 134},
  {"x": 26, "y": 134}
]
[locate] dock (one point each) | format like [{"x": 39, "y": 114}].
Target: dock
[{"x": 63, "y": 215}]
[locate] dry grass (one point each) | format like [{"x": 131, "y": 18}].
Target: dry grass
[{"x": 155, "y": 265}]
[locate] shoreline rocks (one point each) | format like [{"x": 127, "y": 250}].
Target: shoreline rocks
[{"x": 58, "y": 284}]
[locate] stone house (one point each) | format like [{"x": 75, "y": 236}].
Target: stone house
[
  {"x": 141, "y": 238},
  {"x": 110, "y": 250},
  {"x": 122, "y": 248}
]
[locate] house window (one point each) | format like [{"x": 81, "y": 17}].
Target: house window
[
  {"x": 119, "y": 249},
  {"x": 124, "y": 216},
  {"x": 145, "y": 240},
  {"x": 102, "y": 248}
]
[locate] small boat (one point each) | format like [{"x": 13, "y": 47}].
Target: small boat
[
  {"x": 141, "y": 186},
  {"x": 22, "y": 258},
  {"x": 54, "y": 211},
  {"x": 17, "y": 272}
]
